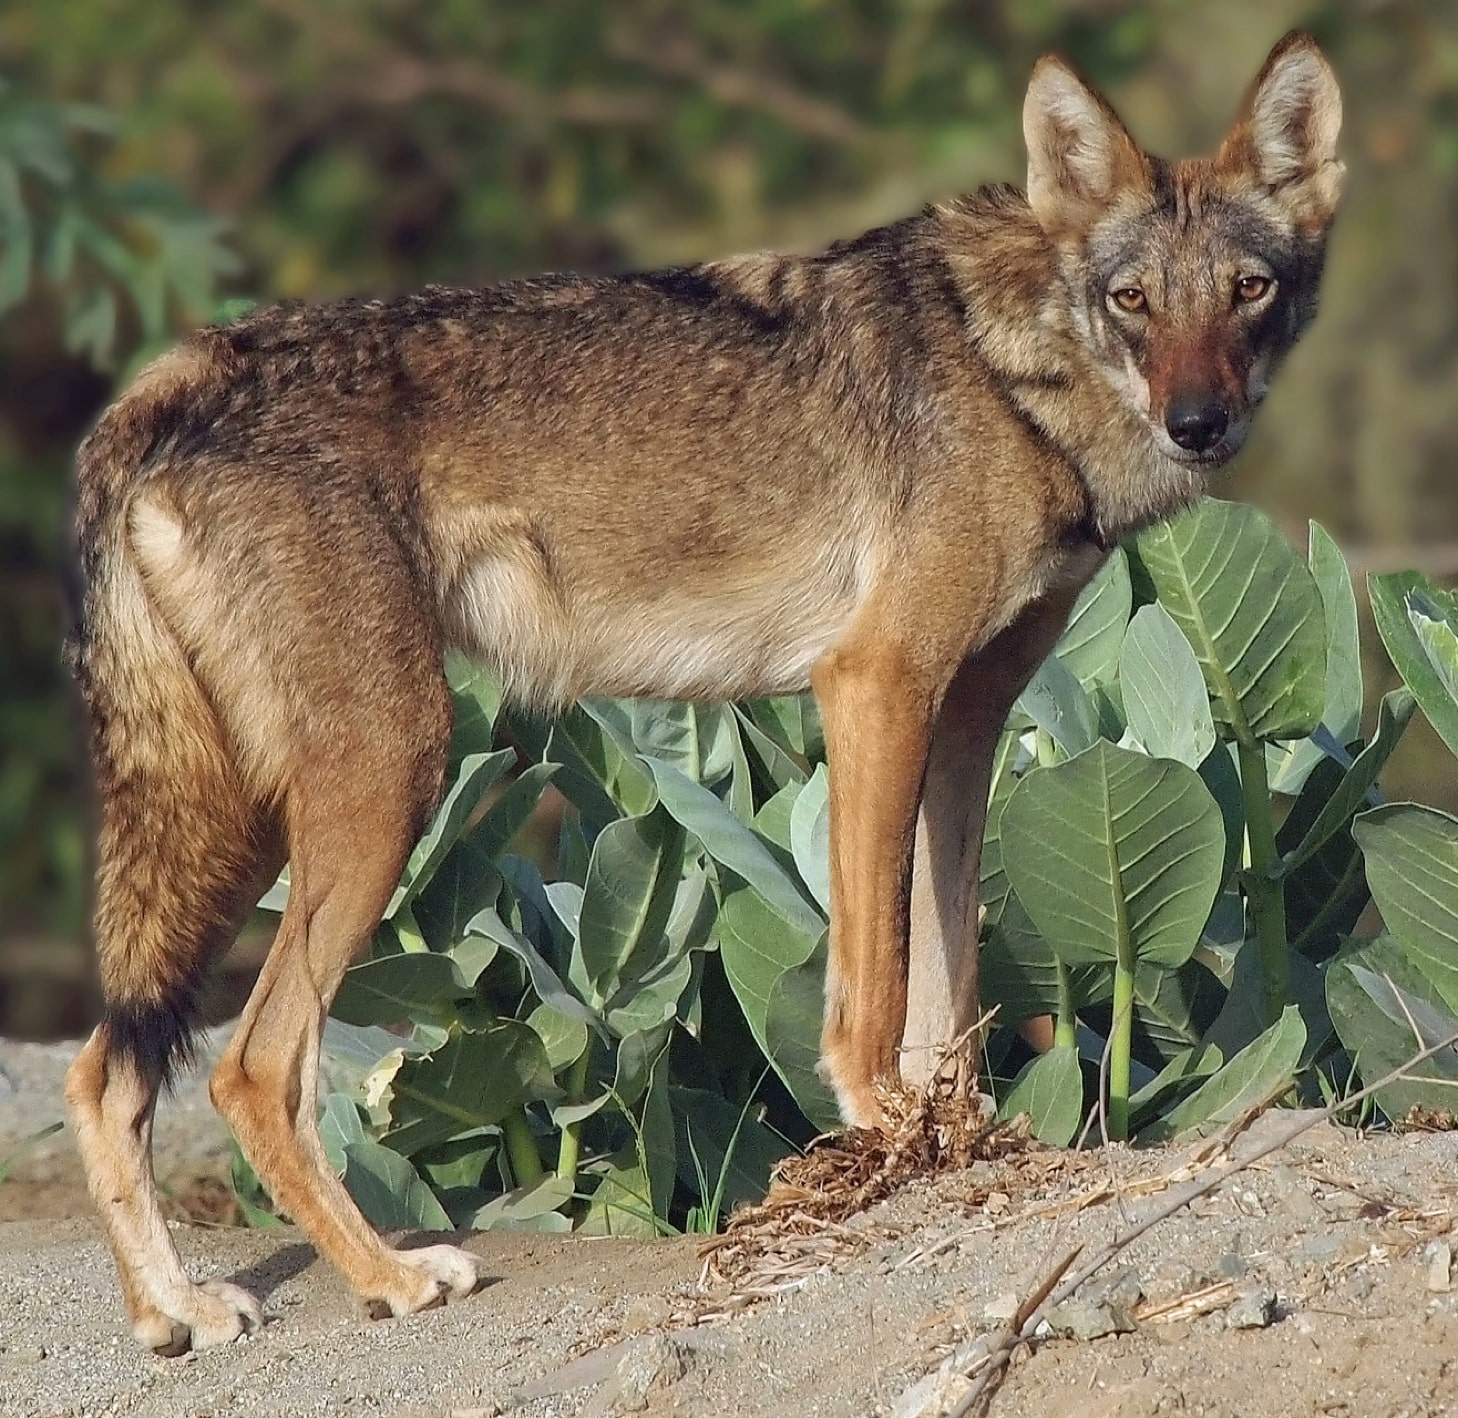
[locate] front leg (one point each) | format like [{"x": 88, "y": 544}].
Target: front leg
[
  {"x": 876, "y": 705},
  {"x": 942, "y": 999}
]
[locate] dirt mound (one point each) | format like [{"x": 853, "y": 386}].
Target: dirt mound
[{"x": 1319, "y": 1281}]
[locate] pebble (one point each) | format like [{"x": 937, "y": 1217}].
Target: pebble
[{"x": 1253, "y": 1309}]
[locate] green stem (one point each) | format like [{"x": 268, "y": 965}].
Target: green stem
[
  {"x": 1047, "y": 750},
  {"x": 521, "y": 1148},
  {"x": 412, "y": 941},
  {"x": 1064, "y": 1036},
  {"x": 568, "y": 1149},
  {"x": 1121, "y": 1044},
  {"x": 1264, "y": 888}
]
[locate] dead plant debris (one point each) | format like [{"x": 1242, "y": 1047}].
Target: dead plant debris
[{"x": 800, "y": 1226}]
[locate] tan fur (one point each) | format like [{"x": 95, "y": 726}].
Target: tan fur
[{"x": 884, "y": 471}]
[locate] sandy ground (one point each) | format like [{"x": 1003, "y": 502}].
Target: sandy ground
[{"x": 1337, "y": 1251}]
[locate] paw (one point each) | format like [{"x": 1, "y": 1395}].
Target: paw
[
  {"x": 205, "y": 1316},
  {"x": 425, "y": 1278},
  {"x": 855, "y": 1094}
]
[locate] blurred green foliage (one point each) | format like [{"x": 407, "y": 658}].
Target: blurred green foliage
[{"x": 373, "y": 145}]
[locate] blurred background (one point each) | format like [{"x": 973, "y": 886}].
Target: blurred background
[{"x": 158, "y": 160}]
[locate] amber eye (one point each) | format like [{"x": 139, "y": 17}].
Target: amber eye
[
  {"x": 1249, "y": 288},
  {"x": 1130, "y": 298}
]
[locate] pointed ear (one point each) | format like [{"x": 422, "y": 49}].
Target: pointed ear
[
  {"x": 1080, "y": 156},
  {"x": 1286, "y": 133}
]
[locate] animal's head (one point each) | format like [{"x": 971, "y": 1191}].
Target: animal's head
[{"x": 1190, "y": 280}]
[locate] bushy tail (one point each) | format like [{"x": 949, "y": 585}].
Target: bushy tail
[{"x": 178, "y": 855}]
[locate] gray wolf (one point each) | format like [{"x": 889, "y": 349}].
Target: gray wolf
[{"x": 883, "y": 471}]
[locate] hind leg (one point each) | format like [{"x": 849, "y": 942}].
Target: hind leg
[
  {"x": 111, "y": 1089},
  {"x": 111, "y": 1103},
  {"x": 352, "y": 817}
]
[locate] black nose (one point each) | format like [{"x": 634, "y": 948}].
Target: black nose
[{"x": 1197, "y": 424}]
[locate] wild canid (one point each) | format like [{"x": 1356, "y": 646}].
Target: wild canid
[{"x": 883, "y": 471}]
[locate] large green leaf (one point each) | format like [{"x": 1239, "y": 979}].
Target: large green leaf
[
  {"x": 992, "y": 884},
  {"x": 637, "y": 1182},
  {"x": 1411, "y": 854},
  {"x": 1113, "y": 849},
  {"x": 1050, "y": 1091},
  {"x": 730, "y": 843},
  {"x": 1255, "y": 1075},
  {"x": 1386, "y": 1009},
  {"x": 695, "y": 738},
  {"x": 339, "y": 1125},
  {"x": 563, "y": 1037},
  {"x": 793, "y": 721},
  {"x": 792, "y": 1020},
  {"x": 1336, "y": 812},
  {"x": 777, "y": 974},
  {"x": 389, "y": 1190},
  {"x": 1327, "y": 891},
  {"x": 478, "y": 771},
  {"x": 713, "y": 1140},
  {"x": 1173, "y": 1009},
  {"x": 400, "y": 987},
  {"x": 810, "y": 835},
  {"x": 1018, "y": 972},
  {"x": 531, "y": 1208},
  {"x": 1090, "y": 642},
  {"x": 776, "y": 767},
  {"x": 473, "y": 1081},
  {"x": 628, "y": 897},
  {"x": 1242, "y": 1016},
  {"x": 1251, "y": 610},
  {"x": 1164, "y": 692},
  {"x": 1342, "y": 712},
  {"x": 476, "y": 697},
  {"x": 603, "y": 778},
  {"x": 1403, "y": 602},
  {"x": 467, "y": 881},
  {"x": 545, "y": 979},
  {"x": 1059, "y": 705}
]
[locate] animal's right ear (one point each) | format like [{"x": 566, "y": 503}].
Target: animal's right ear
[{"x": 1080, "y": 156}]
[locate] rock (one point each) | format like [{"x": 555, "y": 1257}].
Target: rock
[
  {"x": 1341, "y": 1204},
  {"x": 646, "y": 1312},
  {"x": 1254, "y": 1309},
  {"x": 655, "y": 1363},
  {"x": 1121, "y": 1288},
  {"x": 1297, "y": 1205},
  {"x": 1001, "y": 1308},
  {"x": 1360, "y": 1286},
  {"x": 1439, "y": 1258},
  {"x": 1081, "y": 1319},
  {"x": 1317, "y": 1250},
  {"x": 1231, "y": 1266}
]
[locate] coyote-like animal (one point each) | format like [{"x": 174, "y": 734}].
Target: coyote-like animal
[{"x": 883, "y": 471}]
